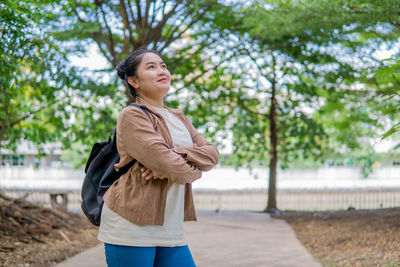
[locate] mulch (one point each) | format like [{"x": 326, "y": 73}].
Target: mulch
[
  {"x": 350, "y": 237},
  {"x": 32, "y": 235}
]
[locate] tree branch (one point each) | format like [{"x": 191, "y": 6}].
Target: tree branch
[
  {"x": 77, "y": 15},
  {"x": 95, "y": 37},
  {"x": 204, "y": 72},
  {"x": 251, "y": 111},
  {"x": 111, "y": 38},
  {"x": 125, "y": 20},
  {"x": 166, "y": 17},
  {"x": 258, "y": 66},
  {"x": 154, "y": 34},
  {"x": 139, "y": 11},
  {"x": 163, "y": 7},
  {"x": 183, "y": 60},
  {"x": 171, "y": 38},
  {"x": 146, "y": 13},
  {"x": 32, "y": 113},
  {"x": 129, "y": 21},
  {"x": 153, "y": 16},
  {"x": 171, "y": 30}
]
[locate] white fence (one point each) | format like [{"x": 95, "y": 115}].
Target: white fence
[
  {"x": 221, "y": 178},
  {"x": 255, "y": 200},
  {"x": 308, "y": 200},
  {"x": 224, "y": 188}
]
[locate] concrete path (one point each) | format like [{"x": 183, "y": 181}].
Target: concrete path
[{"x": 229, "y": 238}]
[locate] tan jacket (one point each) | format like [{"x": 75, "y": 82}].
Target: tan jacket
[{"x": 149, "y": 141}]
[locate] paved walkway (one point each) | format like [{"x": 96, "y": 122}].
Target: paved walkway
[{"x": 229, "y": 238}]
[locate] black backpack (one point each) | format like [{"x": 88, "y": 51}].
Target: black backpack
[{"x": 100, "y": 175}]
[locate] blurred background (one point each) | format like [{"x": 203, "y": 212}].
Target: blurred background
[{"x": 300, "y": 97}]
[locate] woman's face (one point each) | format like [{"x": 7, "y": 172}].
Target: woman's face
[{"x": 152, "y": 77}]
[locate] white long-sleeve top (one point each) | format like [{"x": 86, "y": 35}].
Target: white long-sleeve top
[{"x": 115, "y": 229}]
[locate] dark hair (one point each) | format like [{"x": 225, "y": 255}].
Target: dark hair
[{"x": 128, "y": 67}]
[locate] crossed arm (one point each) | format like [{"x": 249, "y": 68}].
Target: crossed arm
[
  {"x": 182, "y": 164},
  {"x": 202, "y": 155},
  {"x": 148, "y": 174}
]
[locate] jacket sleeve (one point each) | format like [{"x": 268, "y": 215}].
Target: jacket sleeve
[
  {"x": 204, "y": 156},
  {"x": 138, "y": 138}
]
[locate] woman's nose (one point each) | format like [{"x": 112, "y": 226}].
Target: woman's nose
[{"x": 161, "y": 71}]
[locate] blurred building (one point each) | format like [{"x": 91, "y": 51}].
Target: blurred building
[{"x": 28, "y": 155}]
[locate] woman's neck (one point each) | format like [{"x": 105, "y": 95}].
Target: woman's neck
[{"x": 154, "y": 102}]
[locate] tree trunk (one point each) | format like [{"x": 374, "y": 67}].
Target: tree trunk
[{"x": 271, "y": 205}]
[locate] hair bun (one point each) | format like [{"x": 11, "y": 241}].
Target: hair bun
[{"x": 121, "y": 70}]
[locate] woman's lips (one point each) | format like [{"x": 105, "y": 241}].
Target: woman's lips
[{"x": 162, "y": 80}]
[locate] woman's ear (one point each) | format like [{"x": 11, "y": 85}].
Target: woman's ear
[{"x": 134, "y": 82}]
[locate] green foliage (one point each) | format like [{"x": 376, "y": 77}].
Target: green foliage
[
  {"x": 75, "y": 156},
  {"x": 27, "y": 60},
  {"x": 387, "y": 79},
  {"x": 224, "y": 60},
  {"x": 395, "y": 128},
  {"x": 182, "y": 30},
  {"x": 304, "y": 47},
  {"x": 365, "y": 163},
  {"x": 43, "y": 98}
]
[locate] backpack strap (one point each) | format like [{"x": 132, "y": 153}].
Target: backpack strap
[
  {"x": 136, "y": 105},
  {"x": 113, "y": 133},
  {"x": 142, "y": 108}
]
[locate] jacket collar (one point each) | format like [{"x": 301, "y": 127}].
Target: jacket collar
[{"x": 142, "y": 102}]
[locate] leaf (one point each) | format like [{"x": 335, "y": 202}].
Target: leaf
[{"x": 395, "y": 128}]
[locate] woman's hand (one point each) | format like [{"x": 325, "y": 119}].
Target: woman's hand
[{"x": 147, "y": 173}]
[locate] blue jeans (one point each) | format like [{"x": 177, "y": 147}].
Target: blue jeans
[{"x": 130, "y": 256}]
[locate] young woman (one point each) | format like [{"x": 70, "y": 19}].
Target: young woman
[{"x": 144, "y": 210}]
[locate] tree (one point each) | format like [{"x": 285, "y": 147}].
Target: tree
[
  {"x": 304, "y": 101},
  {"x": 52, "y": 100},
  {"x": 28, "y": 62},
  {"x": 40, "y": 90},
  {"x": 180, "y": 30}
]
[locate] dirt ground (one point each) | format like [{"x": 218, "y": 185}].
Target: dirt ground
[
  {"x": 349, "y": 238},
  {"x": 32, "y": 235}
]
